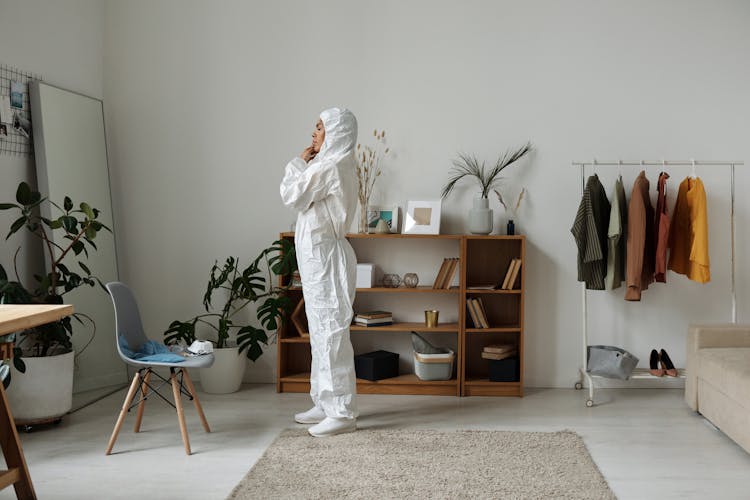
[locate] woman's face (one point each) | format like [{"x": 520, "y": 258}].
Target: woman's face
[{"x": 318, "y": 135}]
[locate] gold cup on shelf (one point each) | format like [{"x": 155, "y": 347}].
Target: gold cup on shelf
[{"x": 431, "y": 318}]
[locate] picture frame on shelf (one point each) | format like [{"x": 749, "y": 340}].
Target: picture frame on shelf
[
  {"x": 422, "y": 217},
  {"x": 390, "y": 214}
]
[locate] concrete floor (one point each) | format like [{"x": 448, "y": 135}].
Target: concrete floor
[{"x": 646, "y": 442}]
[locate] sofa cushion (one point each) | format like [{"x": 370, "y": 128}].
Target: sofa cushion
[{"x": 728, "y": 370}]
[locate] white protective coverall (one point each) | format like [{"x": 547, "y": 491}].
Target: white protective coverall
[{"x": 324, "y": 192}]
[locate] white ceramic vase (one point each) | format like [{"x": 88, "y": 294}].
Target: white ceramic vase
[
  {"x": 480, "y": 216},
  {"x": 45, "y": 391},
  {"x": 225, "y": 375}
]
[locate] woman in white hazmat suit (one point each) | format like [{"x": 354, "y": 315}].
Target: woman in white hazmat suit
[{"x": 322, "y": 186}]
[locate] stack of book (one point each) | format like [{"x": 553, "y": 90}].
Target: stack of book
[
  {"x": 445, "y": 275},
  {"x": 511, "y": 276},
  {"x": 499, "y": 351},
  {"x": 477, "y": 312},
  {"x": 373, "y": 318}
]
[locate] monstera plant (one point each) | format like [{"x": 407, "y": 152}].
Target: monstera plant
[{"x": 239, "y": 286}]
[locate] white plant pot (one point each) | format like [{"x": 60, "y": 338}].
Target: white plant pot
[
  {"x": 480, "y": 216},
  {"x": 225, "y": 375},
  {"x": 45, "y": 391}
]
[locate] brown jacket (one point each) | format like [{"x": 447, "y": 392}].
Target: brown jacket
[{"x": 641, "y": 248}]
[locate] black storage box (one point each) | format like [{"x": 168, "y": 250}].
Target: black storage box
[
  {"x": 504, "y": 370},
  {"x": 376, "y": 365}
]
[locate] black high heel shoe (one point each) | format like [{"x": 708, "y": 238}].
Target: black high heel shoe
[
  {"x": 653, "y": 363},
  {"x": 667, "y": 364}
]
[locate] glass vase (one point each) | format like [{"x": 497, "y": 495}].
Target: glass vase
[{"x": 362, "y": 217}]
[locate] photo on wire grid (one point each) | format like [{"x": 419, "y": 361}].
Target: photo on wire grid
[{"x": 16, "y": 95}]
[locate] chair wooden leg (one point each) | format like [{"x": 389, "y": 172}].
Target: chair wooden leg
[
  {"x": 197, "y": 403},
  {"x": 180, "y": 413},
  {"x": 142, "y": 404},
  {"x": 123, "y": 411}
]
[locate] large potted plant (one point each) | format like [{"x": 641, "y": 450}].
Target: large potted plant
[
  {"x": 43, "y": 357},
  {"x": 480, "y": 215},
  {"x": 229, "y": 331}
]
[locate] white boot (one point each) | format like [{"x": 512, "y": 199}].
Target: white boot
[
  {"x": 312, "y": 416},
  {"x": 331, "y": 426}
]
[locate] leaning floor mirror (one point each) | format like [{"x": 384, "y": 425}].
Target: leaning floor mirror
[{"x": 71, "y": 160}]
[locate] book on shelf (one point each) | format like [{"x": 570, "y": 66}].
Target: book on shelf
[
  {"x": 478, "y": 316},
  {"x": 373, "y": 314},
  {"x": 516, "y": 274},
  {"x": 508, "y": 274},
  {"x": 482, "y": 312},
  {"x": 452, "y": 266},
  {"x": 386, "y": 320},
  {"x": 499, "y": 348},
  {"x": 473, "y": 313},
  {"x": 440, "y": 275},
  {"x": 498, "y": 356},
  {"x": 382, "y": 323}
]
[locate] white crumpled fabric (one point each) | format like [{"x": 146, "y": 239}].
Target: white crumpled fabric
[{"x": 324, "y": 193}]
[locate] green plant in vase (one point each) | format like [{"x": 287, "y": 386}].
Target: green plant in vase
[
  {"x": 242, "y": 286},
  {"x": 468, "y": 166},
  {"x": 79, "y": 228}
]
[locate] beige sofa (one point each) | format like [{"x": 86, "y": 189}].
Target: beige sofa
[{"x": 718, "y": 377}]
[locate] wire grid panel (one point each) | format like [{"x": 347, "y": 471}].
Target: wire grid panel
[{"x": 15, "y": 142}]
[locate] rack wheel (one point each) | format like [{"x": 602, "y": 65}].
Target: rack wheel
[
  {"x": 578, "y": 386},
  {"x": 589, "y": 403}
]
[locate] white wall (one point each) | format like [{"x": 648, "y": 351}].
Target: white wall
[
  {"x": 62, "y": 41},
  {"x": 206, "y": 102}
]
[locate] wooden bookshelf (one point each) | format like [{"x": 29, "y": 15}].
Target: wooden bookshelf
[{"x": 483, "y": 261}]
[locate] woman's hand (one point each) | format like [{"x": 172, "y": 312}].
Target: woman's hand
[{"x": 308, "y": 154}]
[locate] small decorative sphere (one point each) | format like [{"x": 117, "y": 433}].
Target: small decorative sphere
[
  {"x": 391, "y": 280},
  {"x": 411, "y": 280}
]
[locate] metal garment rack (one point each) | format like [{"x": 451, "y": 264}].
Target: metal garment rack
[{"x": 643, "y": 373}]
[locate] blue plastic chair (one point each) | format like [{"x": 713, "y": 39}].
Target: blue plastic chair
[{"x": 128, "y": 325}]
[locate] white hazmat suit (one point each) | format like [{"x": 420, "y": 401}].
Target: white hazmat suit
[{"x": 324, "y": 193}]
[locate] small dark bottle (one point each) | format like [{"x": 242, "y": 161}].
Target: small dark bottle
[{"x": 511, "y": 230}]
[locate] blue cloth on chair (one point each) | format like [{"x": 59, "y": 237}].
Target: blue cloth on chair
[{"x": 150, "y": 351}]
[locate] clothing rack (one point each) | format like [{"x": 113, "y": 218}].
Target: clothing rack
[{"x": 585, "y": 375}]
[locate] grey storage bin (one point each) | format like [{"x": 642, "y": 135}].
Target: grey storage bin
[
  {"x": 610, "y": 362},
  {"x": 434, "y": 366}
]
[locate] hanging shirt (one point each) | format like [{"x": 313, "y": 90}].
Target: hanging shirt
[
  {"x": 688, "y": 237},
  {"x": 641, "y": 248},
  {"x": 590, "y": 232},
  {"x": 661, "y": 229},
  {"x": 617, "y": 238}
]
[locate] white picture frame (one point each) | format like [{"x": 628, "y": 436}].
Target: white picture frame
[
  {"x": 389, "y": 213},
  {"x": 422, "y": 217}
]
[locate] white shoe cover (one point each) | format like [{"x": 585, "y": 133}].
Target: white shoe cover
[
  {"x": 314, "y": 415},
  {"x": 332, "y": 426}
]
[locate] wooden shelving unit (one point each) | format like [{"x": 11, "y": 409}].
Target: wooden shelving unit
[{"x": 483, "y": 260}]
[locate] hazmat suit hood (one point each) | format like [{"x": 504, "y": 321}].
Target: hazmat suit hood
[{"x": 341, "y": 134}]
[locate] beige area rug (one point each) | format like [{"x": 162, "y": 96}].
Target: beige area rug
[{"x": 425, "y": 464}]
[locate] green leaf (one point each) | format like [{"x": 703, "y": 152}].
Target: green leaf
[
  {"x": 23, "y": 194},
  {"x": 68, "y": 204},
  {"x": 18, "y": 361},
  {"x": 90, "y": 232},
  {"x": 85, "y": 208},
  {"x": 78, "y": 247},
  {"x": 17, "y": 224},
  {"x": 69, "y": 222},
  {"x": 179, "y": 330},
  {"x": 249, "y": 339},
  {"x": 6, "y": 206},
  {"x": 3, "y": 275},
  {"x": 84, "y": 267}
]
